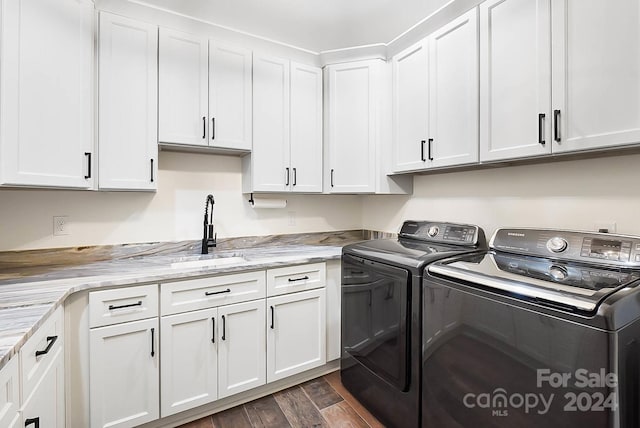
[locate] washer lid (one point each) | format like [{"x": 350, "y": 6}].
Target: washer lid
[{"x": 559, "y": 284}]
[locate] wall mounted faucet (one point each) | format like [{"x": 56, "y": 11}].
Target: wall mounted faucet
[{"x": 208, "y": 235}]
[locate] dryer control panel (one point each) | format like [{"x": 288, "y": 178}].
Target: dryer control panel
[
  {"x": 448, "y": 233},
  {"x": 590, "y": 247}
]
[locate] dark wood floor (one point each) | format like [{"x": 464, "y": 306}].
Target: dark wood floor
[{"x": 321, "y": 402}]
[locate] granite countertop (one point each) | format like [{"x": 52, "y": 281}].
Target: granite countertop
[{"x": 34, "y": 283}]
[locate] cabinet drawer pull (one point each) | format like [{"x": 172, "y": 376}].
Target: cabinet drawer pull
[
  {"x": 153, "y": 340},
  {"x": 152, "y": 170},
  {"x": 112, "y": 307},
  {"x": 295, "y": 176},
  {"x": 332, "y": 178},
  {"x": 541, "y": 129},
  {"x": 204, "y": 127},
  {"x": 422, "y": 143},
  {"x": 287, "y": 176},
  {"x": 272, "y": 311},
  {"x": 32, "y": 421},
  {"x": 430, "y": 141},
  {"x": 51, "y": 340},
  {"x": 213, "y": 128},
  {"x": 88, "y": 155},
  {"x": 213, "y": 330},
  {"x": 224, "y": 328},
  {"x": 211, "y": 293},
  {"x": 556, "y": 125},
  {"x": 304, "y": 278}
]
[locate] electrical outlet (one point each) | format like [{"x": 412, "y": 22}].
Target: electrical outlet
[
  {"x": 291, "y": 218},
  {"x": 609, "y": 226},
  {"x": 60, "y": 225}
]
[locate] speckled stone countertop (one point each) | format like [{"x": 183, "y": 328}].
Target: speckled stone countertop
[{"x": 34, "y": 283}]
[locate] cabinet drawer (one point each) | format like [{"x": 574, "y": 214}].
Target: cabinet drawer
[
  {"x": 122, "y": 304},
  {"x": 210, "y": 292},
  {"x": 295, "y": 278},
  {"x": 40, "y": 351}
]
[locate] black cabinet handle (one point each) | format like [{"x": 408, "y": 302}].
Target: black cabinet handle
[
  {"x": 332, "y": 178},
  {"x": 224, "y": 328},
  {"x": 295, "y": 176},
  {"x": 272, "y": 311},
  {"x": 213, "y": 334},
  {"x": 204, "y": 127},
  {"x": 152, "y": 170},
  {"x": 287, "y": 183},
  {"x": 112, "y": 307},
  {"x": 51, "y": 340},
  {"x": 153, "y": 340},
  {"x": 211, "y": 293},
  {"x": 423, "y": 142},
  {"x": 213, "y": 128},
  {"x": 556, "y": 125},
  {"x": 541, "y": 129},
  {"x": 34, "y": 421},
  {"x": 430, "y": 141},
  {"x": 304, "y": 278},
  {"x": 88, "y": 155}
]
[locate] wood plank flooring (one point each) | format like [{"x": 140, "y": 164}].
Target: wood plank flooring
[{"x": 321, "y": 402}]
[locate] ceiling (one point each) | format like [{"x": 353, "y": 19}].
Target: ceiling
[{"x": 318, "y": 25}]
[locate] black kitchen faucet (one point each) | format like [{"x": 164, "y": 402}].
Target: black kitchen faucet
[{"x": 208, "y": 236}]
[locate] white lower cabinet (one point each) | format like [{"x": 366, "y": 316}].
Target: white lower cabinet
[
  {"x": 296, "y": 337},
  {"x": 241, "y": 347},
  {"x": 9, "y": 394},
  {"x": 45, "y": 407},
  {"x": 124, "y": 373},
  {"x": 189, "y": 366}
]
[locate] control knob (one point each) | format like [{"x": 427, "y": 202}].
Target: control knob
[
  {"x": 558, "y": 273},
  {"x": 557, "y": 244},
  {"x": 433, "y": 231}
]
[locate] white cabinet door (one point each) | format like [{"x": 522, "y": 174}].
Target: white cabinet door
[
  {"x": 230, "y": 97},
  {"x": 453, "y": 94},
  {"x": 183, "y": 105},
  {"x": 515, "y": 79},
  {"x": 124, "y": 375},
  {"x": 45, "y": 408},
  {"x": 352, "y": 126},
  {"x": 10, "y": 394},
  {"x": 296, "y": 337},
  {"x": 410, "y": 107},
  {"x": 241, "y": 347},
  {"x": 306, "y": 128},
  {"x": 128, "y": 104},
  {"x": 270, "y": 154},
  {"x": 596, "y": 73},
  {"x": 189, "y": 365},
  {"x": 46, "y": 86}
]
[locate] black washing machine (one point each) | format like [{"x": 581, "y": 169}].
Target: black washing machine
[
  {"x": 543, "y": 330},
  {"x": 381, "y": 314}
]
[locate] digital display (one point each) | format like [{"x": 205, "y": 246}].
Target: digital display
[
  {"x": 606, "y": 248},
  {"x": 457, "y": 233}
]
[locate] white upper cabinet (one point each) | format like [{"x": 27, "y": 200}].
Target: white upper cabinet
[
  {"x": 453, "y": 94},
  {"x": 352, "y": 104},
  {"x": 270, "y": 170},
  {"x": 46, "y": 93},
  {"x": 205, "y": 92},
  {"x": 410, "y": 107},
  {"x": 287, "y": 128},
  {"x": 128, "y": 104},
  {"x": 596, "y": 73},
  {"x": 515, "y": 79},
  {"x": 183, "y": 105},
  {"x": 306, "y": 128},
  {"x": 230, "y": 97}
]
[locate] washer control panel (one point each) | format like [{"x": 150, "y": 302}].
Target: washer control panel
[
  {"x": 592, "y": 247},
  {"x": 450, "y": 233}
]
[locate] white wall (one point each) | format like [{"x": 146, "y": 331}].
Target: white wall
[
  {"x": 570, "y": 194},
  {"x": 174, "y": 213}
]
